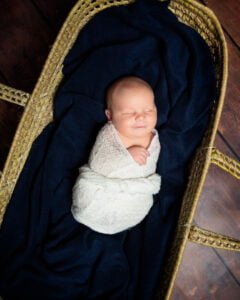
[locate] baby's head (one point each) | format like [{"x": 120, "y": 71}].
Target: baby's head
[{"x": 131, "y": 107}]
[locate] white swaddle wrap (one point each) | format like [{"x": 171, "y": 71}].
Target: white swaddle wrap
[{"x": 113, "y": 192}]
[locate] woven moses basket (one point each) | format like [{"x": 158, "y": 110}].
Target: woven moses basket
[{"x": 38, "y": 113}]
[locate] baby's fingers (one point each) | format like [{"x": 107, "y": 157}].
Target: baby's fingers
[
  {"x": 142, "y": 159},
  {"x": 144, "y": 153}
]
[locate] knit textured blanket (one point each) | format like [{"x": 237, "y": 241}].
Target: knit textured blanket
[{"x": 113, "y": 192}]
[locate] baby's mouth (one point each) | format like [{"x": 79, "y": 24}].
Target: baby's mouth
[{"x": 139, "y": 126}]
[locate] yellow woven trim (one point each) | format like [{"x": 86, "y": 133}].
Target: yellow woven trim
[
  {"x": 14, "y": 96},
  {"x": 226, "y": 163},
  {"x": 212, "y": 239}
]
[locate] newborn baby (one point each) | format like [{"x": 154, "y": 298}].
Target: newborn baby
[{"x": 114, "y": 191}]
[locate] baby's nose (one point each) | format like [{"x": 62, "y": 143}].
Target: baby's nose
[{"x": 140, "y": 116}]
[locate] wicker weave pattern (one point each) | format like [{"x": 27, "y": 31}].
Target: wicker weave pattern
[
  {"x": 211, "y": 239},
  {"x": 14, "y": 96},
  {"x": 226, "y": 163}
]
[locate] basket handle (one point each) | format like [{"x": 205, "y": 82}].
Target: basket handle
[
  {"x": 209, "y": 238},
  {"x": 13, "y": 95},
  {"x": 226, "y": 163}
]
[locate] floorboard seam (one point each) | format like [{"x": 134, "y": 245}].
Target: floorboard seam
[
  {"x": 223, "y": 27},
  {"x": 225, "y": 141},
  {"x": 4, "y": 78},
  {"x": 222, "y": 260},
  {"x": 43, "y": 16},
  {"x": 226, "y": 266}
]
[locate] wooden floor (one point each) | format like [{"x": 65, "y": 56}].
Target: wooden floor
[{"x": 27, "y": 31}]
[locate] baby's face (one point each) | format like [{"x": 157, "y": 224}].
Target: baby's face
[{"x": 133, "y": 112}]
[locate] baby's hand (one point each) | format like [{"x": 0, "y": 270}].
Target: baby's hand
[{"x": 139, "y": 154}]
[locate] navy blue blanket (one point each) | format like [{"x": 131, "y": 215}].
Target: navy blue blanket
[{"x": 44, "y": 252}]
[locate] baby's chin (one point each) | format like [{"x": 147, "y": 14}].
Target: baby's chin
[
  {"x": 141, "y": 128},
  {"x": 140, "y": 132}
]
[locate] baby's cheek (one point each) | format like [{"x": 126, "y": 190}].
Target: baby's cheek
[
  {"x": 127, "y": 121},
  {"x": 153, "y": 120},
  {"x": 122, "y": 125}
]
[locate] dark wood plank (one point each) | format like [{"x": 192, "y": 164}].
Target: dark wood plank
[
  {"x": 218, "y": 207},
  {"x": 230, "y": 120},
  {"x": 25, "y": 41},
  {"x": 3, "y": 79},
  {"x": 202, "y": 275},
  {"x": 10, "y": 115},
  {"x": 232, "y": 261},
  {"x": 228, "y": 13},
  {"x": 6, "y": 137},
  {"x": 54, "y": 11},
  {"x": 26, "y": 38}
]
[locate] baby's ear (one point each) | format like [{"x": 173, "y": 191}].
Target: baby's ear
[{"x": 108, "y": 114}]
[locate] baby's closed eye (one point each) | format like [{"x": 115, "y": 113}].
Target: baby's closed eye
[
  {"x": 134, "y": 112},
  {"x": 128, "y": 113}
]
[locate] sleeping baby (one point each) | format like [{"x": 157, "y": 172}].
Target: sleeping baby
[{"x": 114, "y": 191}]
